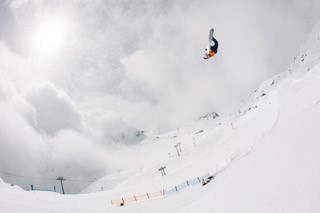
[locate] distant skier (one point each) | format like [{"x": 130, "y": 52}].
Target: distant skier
[
  {"x": 204, "y": 182},
  {"x": 213, "y": 48}
]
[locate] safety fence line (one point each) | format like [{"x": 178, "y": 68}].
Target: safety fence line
[
  {"x": 186, "y": 184},
  {"x": 160, "y": 193},
  {"x": 137, "y": 198}
]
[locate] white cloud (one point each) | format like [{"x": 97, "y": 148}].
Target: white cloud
[
  {"x": 54, "y": 109},
  {"x": 43, "y": 134},
  {"x": 20, "y": 145}
]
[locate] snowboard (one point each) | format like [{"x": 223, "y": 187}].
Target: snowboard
[{"x": 210, "y": 36}]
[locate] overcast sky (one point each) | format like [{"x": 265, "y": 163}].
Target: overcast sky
[
  {"x": 91, "y": 70},
  {"x": 143, "y": 59}
]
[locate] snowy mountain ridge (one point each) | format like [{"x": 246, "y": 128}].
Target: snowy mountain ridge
[{"x": 265, "y": 157}]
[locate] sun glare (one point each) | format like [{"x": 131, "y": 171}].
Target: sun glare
[{"x": 50, "y": 36}]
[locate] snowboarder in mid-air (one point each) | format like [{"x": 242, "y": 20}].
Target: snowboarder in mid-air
[{"x": 213, "y": 46}]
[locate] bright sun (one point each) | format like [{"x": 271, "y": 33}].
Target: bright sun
[{"x": 50, "y": 36}]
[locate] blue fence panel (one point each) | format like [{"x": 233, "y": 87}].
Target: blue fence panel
[
  {"x": 182, "y": 186},
  {"x": 204, "y": 177},
  {"x": 186, "y": 184},
  {"x": 170, "y": 191},
  {"x": 193, "y": 181}
]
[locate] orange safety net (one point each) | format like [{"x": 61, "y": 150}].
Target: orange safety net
[
  {"x": 129, "y": 200},
  {"x": 116, "y": 202},
  {"x": 142, "y": 197},
  {"x": 155, "y": 194},
  {"x": 137, "y": 198}
]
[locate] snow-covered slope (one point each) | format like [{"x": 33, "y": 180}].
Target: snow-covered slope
[{"x": 265, "y": 157}]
